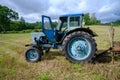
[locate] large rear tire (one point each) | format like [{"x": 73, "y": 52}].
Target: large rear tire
[{"x": 79, "y": 47}]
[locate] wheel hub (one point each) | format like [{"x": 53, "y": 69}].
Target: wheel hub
[
  {"x": 32, "y": 55},
  {"x": 79, "y": 48}
]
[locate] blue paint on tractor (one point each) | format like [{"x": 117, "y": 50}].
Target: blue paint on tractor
[
  {"x": 48, "y": 32},
  {"x": 50, "y": 35},
  {"x": 66, "y": 15}
]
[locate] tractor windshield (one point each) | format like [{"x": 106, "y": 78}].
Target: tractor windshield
[
  {"x": 69, "y": 23},
  {"x": 62, "y": 23}
]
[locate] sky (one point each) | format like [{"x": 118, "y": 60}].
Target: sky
[{"x": 31, "y": 10}]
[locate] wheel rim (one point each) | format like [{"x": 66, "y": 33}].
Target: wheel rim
[
  {"x": 32, "y": 55},
  {"x": 79, "y": 48}
]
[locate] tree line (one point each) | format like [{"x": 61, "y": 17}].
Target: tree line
[
  {"x": 91, "y": 20},
  {"x": 116, "y": 23},
  {"x": 9, "y": 21}
]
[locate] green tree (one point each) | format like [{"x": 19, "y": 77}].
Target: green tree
[
  {"x": 98, "y": 22},
  {"x": 91, "y": 20},
  {"x": 87, "y": 19},
  {"x": 38, "y": 25},
  {"x": 116, "y": 23},
  {"x": 22, "y": 24},
  {"x": 30, "y": 25},
  {"x": 14, "y": 26},
  {"x": 54, "y": 24},
  {"x": 6, "y": 16}
]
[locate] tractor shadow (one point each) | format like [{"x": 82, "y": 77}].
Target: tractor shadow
[
  {"x": 105, "y": 57},
  {"x": 101, "y": 57},
  {"x": 52, "y": 55}
]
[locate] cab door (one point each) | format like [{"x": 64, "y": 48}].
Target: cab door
[{"x": 48, "y": 28}]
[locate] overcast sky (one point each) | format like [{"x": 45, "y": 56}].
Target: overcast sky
[{"x": 31, "y": 10}]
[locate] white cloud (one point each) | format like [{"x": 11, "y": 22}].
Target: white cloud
[
  {"x": 107, "y": 10},
  {"x": 82, "y": 5},
  {"x": 32, "y": 17}
]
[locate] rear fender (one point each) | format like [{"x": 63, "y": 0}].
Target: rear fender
[{"x": 88, "y": 30}]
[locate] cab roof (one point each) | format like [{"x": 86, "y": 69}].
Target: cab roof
[{"x": 66, "y": 15}]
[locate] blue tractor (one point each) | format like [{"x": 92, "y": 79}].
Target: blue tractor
[{"x": 77, "y": 42}]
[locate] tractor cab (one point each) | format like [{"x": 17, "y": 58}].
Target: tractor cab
[
  {"x": 66, "y": 23},
  {"x": 70, "y": 22}
]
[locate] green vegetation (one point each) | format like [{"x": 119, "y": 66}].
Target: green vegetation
[
  {"x": 91, "y": 20},
  {"x": 53, "y": 66},
  {"x": 116, "y": 23},
  {"x": 6, "y": 15},
  {"x": 45, "y": 76},
  {"x": 11, "y": 23}
]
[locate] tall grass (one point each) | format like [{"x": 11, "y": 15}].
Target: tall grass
[{"x": 53, "y": 66}]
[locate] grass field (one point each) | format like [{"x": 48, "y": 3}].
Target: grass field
[{"x": 54, "y": 66}]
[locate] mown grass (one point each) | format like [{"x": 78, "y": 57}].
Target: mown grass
[{"x": 53, "y": 66}]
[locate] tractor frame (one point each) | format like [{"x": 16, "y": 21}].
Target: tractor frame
[{"x": 68, "y": 35}]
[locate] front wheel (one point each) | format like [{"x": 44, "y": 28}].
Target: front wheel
[
  {"x": 79, "y": 47},
  {"x": 33, "y": 55}
]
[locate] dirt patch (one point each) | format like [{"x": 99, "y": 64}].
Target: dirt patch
[{"x": 117, "y": 44}]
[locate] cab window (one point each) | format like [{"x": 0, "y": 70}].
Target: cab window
[{"x": 74, "y": 21}]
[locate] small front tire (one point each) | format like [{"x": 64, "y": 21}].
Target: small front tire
[{"x": 33, "y": 55}]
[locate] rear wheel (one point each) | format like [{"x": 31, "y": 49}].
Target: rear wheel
[
  {"x": 79, "y": 47},
  {"x": 33, "y": 55}
]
